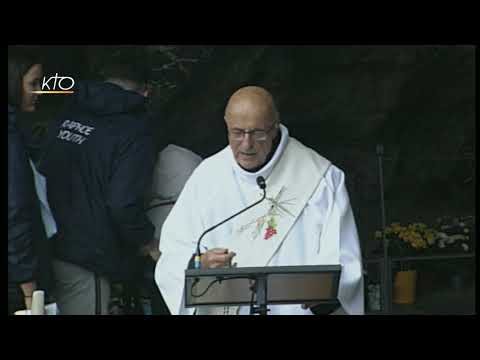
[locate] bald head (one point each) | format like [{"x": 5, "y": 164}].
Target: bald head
[
  {"x": 251, "y": 102},
  {"x": 252, "y": 121}
]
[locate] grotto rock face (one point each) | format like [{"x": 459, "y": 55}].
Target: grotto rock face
[{"x": 418, "y": 101}]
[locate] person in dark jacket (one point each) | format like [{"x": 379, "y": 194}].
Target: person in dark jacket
[
  {"x": 26, "y": 233},
  {"x": 98, "y": 161}
]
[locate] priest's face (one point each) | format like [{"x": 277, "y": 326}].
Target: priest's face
[{"x": 250, "y": 135}]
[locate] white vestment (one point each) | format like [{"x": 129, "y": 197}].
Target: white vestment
[
  {"x": 306, "y": 220},
  {"x": 174, "y": 166}
]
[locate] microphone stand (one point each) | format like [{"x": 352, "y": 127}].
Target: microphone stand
[{"x": 262, "y": 185}]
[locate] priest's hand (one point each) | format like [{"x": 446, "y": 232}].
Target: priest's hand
[{"x": 218, "y": 257}]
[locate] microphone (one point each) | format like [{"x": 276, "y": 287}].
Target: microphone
[{"x": 261, "y": 183}]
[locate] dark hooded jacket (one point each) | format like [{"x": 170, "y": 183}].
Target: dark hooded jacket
[{"x": 98, "y": 161}]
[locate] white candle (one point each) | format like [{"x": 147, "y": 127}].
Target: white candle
[{"x": 38, "y": 302}]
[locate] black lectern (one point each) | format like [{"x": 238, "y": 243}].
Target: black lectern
[{"x": 261, "y": 286}]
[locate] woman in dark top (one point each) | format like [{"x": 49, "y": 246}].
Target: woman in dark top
[{"x": 25, "y": 227}]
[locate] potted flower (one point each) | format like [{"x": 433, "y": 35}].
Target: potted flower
[
  {"x": 407, "y": 240},
  {"x": 449, "y": 235}
]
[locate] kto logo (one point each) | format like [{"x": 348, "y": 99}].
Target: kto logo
[{"x": 60, "y": 85}]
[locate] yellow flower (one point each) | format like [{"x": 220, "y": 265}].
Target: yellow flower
[{"x": 396, "y": 227}]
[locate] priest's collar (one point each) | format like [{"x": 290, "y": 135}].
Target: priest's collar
[{"x": 265, "y": 171}]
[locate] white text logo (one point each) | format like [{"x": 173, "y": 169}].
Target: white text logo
[{"x": 57, "y": 85}]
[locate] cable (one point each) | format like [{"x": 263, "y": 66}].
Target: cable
[
  {"x": 203, "y": 293},
  {"x": 218, "y": 279}
]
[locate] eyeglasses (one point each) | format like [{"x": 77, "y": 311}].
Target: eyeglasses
[{"x": 256, "y": 134}]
